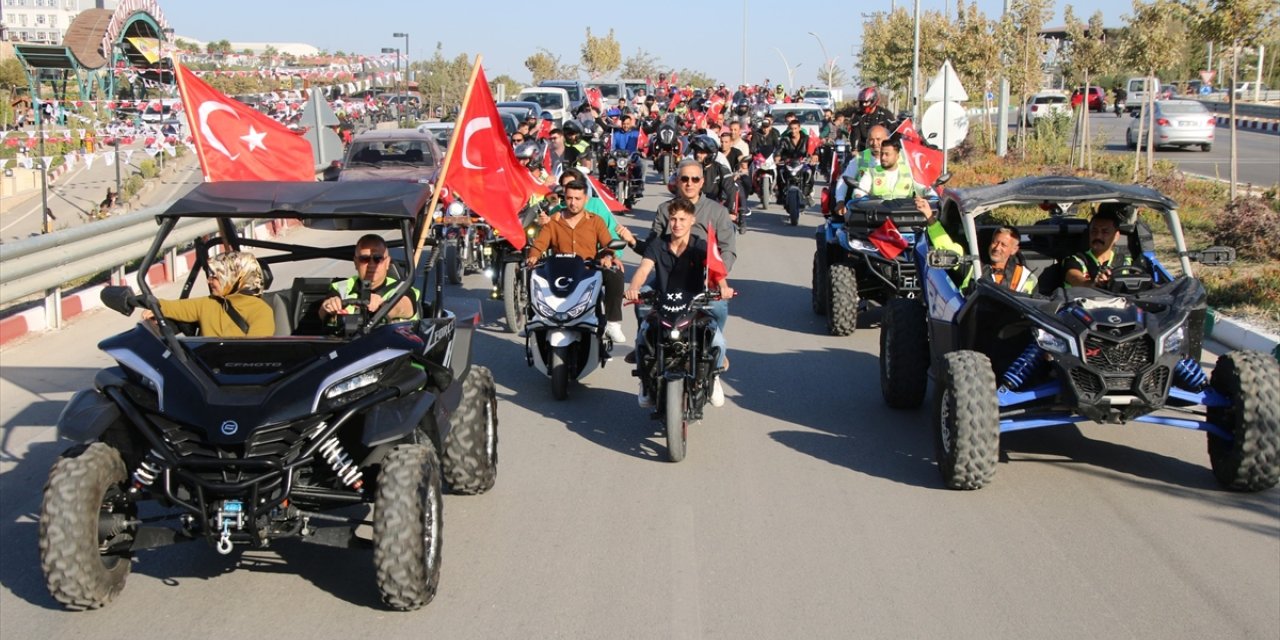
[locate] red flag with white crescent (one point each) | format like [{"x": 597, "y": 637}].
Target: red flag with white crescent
[
  {"x": 236, "y": 142},
  {"x": 814, "y": 143},
  {"x": 598, "y": 190},
  {"x": 925, "y": 162},
  {"x": 483, "y": 169},
  {"x": 716, "y": 271},
  {"x": 888, "y": 239},
  {"x": 908, "y": 130}
]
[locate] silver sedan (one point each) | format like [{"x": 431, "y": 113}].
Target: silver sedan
[{"x": 1178, "y": 123}]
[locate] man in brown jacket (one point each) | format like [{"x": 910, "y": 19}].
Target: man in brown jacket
[{"x": 575, "y": 231}]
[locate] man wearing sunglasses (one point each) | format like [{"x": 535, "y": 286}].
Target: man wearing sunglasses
[{"x": 372, "y": 262}]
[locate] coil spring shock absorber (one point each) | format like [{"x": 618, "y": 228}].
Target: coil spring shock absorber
[
  {"x": 1023, "y": 367},
  {"x": 343, "y": 465},
  {"x": 148, "y": 470},
  {"x": 1188, "y": 375}
]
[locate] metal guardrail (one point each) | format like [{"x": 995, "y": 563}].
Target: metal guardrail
[
  {"x": 44, "y": 263},
  {"x": 1220, "y": 106}
]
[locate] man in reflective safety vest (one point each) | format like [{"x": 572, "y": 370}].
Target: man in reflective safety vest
[
  {"x": 372, "y": 262},
  {"x": 1092, "y": 268},
  {"x": 891, "y": 179}
]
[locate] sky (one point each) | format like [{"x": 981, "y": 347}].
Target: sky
[{"x": 705, "y": 36}]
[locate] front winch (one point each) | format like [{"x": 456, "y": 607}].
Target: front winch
[{"x": 228, "y": 517}]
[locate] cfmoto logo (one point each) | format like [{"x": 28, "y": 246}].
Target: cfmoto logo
[{"x": 230, "y": 427}]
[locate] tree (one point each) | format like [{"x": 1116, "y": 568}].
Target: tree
[
  {"x": 1238, "y": 24},
  {"x": 885, "y": 58},
  {"x": 509, "y": 84},
  {"x": 443, "y": 81},
  {"x": 641, "y": 64},
  {"x": 689, "y": 77},
  {"x": 1084, "y": 55},
  {"x": 1148, "y": 36},
  {"x": 839, "y": 77},
  {"x": 1023, "y": 50},
  {"x": 545, "y": 65},
  {"x": 600, "y": 56}
]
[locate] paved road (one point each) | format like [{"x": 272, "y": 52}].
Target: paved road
[
  {"x": 805, "y": 509},
  {"x": 78, "y": 192}
]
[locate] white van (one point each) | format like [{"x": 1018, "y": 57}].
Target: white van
[
  {"x": 551, "y": 99},
  {"x": 1135, "y": 92}
]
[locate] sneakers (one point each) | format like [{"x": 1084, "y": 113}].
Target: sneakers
[
  {"x": 614, "y": 331},
  {"x": 717, "y": 394},
  {"x": 630, "y": 358},
  {"x": 643, "y": 398}
]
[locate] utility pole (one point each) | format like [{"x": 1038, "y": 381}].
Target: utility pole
[
  {"x": 915, "y": 67},
  {"x": 744, "y": 42},
  {"x": 827, "y": 60},
  {"x": 45, "y": 225},
  {"x": 1002, "y": 134}
]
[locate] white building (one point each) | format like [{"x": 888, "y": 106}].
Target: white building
[{"x": 43, "y": 21}]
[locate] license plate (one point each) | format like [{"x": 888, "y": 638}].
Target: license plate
[{"x": 1186, "y": 123}]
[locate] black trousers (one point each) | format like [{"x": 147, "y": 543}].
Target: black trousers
[{"x": 613, "y": 288}]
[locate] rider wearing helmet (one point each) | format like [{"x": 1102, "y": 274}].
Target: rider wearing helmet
[
  {"x": 576, "y": 145},
  {"x": 717, "y": 183},
  {"x": 869, "y": 114}
]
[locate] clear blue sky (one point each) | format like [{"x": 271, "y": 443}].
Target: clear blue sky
[{"x": 706, "y": 36}]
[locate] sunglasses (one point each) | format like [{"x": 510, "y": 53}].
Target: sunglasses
[
  {"x": 373, "y": 257},
  {"x": 693, "y": 179}
]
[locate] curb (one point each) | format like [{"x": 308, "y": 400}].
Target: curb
[
  {"x": 36, "y": 320},
  {"x": 1265, "y": 126},
  {"x": 1238, "y": 334}
]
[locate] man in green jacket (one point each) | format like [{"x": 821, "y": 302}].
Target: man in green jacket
[{"x": 1002, "y": 254}]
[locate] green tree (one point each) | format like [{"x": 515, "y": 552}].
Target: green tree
[
  {"x": 1084, "y": 55},
  {"x": 600, "y": 56},
  {"x": 443, "y": 81},
  {"x": 1148, "y": 37},
  {"x": 839, "y": 77},
  {"x": 545, "y": 65},
  {"x": 689, "y": 77},
  {"x": 1023, "y": 50},
  {"x": 1237, "y": 24},
  {"x": 641, "y": 64},
  {"x": 510, "y": 86},
  {"x": 884, "y": 60}
]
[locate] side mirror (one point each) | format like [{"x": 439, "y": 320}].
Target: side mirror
[
  {"x": 1215, "y": 256},
  {"x": 119, "y": 299},
  {"x": 941, "y": 259},
  {"x": 618, "y": 244},
  {"x": 850, "y": 181},
  {"x": 942, "y": 179}
]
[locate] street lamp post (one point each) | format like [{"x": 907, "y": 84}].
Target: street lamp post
[
  {"x": 395, "y": 50},
  {"x": 168, "y": 35},
  {"x": 45, "y": 224},
  {"x": 791, "y": 79},
  {"x": 915, "y": 68},
  {"x": 828, "y": 60},
  {"x": 404, "y": 100}
]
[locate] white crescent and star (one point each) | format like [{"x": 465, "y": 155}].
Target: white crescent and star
[{"x": 254, "y": 138}]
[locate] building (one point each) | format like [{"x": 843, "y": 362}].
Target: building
[{"x": 43, "y": 21}]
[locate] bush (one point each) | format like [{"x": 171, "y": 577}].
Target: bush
[
  {"x": 148, "y": 169},
  {"x": 1250, "y": 290},
  {"x": 131, "y": 187},
  {"x": 1251, "y": 226}
]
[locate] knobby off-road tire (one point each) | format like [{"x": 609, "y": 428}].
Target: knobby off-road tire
[
  {"x": 452, "y": 264},
  {"x": 674, "y": 419},
  {"x": 559, "y": 370},
  {"x": 904, "y": 353},
  {"x": 1250, "y": 461},
  {"x": 471, "y": 448},
  {"x": 818, "y": 286},
  {"x": 76, "y": 572},
  {"x": 966, "y": 420},
  {"x": 407, "y": 526},
  {"x": 514, "y": 297},
  {"x": 842, "y": 296}
]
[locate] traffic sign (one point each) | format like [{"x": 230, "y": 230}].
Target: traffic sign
[
  {"x": 946, "y": 86},
  {"x": 1205, "y": 89},
  {"x": 1206, "y": 76}
]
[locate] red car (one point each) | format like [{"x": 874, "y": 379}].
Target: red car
[{"x": 1097, "y": 98}]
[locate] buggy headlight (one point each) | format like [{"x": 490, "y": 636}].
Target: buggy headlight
[
  {"x": 1175, "y": 340},
  {"x": 863, "y": 245},
  {"x": 358, "y": 381},
  {"x": 1051, "y": 341}
]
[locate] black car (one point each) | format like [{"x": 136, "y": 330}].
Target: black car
[{"x": 244, "y": 442}]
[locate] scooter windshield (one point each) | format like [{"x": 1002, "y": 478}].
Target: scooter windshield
[{"x": 563, "y": 272}]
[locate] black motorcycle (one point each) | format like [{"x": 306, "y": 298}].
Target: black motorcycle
[{"x": 677, "y": 361}]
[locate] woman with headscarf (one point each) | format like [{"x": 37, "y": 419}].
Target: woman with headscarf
[{"x": 234, "y": 307}]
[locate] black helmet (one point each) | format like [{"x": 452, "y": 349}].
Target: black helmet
[
  {"x": 868, "y": 99},
  {"x": 704, "y": 144},
  {"x": 571, "y": 126},
  {"x": 526, "y": 150}
]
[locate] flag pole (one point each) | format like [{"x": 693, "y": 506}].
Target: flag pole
[
  {"x": 196, "y": 141},
  {"x": 448, "y": 156}
]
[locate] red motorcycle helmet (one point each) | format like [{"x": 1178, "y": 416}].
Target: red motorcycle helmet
[{"x": 868, "y": 99}]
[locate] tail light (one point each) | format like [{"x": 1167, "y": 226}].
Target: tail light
[
  {"x": 1164, "y": 122},
  {"x": 1213, "y": 121},
  {"x": 1035, "y": 108}
]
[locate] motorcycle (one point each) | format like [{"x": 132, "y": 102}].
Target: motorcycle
[
  {"x": 462, "y": 236},
  {"x": 666, "y": 148},
  {"x": 676, "y": 364},
  {"x": 564, "y": 336},
  {"x": 1120, "y": 107},
  {"x": 764, "y": 176},
  {"x": 797, "y": 180},
  {"x": 623, "y": 175}
]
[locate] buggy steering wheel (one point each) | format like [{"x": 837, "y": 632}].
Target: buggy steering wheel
[{"x": 1129, "y": 278}]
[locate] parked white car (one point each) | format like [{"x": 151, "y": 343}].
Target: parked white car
[
  {"x": 1179, "y": 123},
  {"x": 1045, "y": 103}
]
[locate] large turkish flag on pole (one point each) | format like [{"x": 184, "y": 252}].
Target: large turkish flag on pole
[
  {"x": 237, "y": 142},
  {"x": 481, "y": 167}
]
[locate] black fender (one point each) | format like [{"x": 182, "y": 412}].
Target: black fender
[
  {"x": 390, "y": 421},
  {"x": 87, "y": 416},
  {"x": 466, "y": 319}
]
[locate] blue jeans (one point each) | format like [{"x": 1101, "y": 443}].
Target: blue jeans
[{"x": 720, "y": 311}]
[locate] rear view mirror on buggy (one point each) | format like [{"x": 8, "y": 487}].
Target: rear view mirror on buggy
[
  {"x": 1215, "y": 256},
  {"x": 942, "y": 179},
  {"x": 850, "y": 181},
  {"x": 940, "y": 259},
  {"x": 119, "y": 299}
]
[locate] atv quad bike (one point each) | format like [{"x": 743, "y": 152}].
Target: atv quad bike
[
  {"x": 241, "y": 442},
  {"x": 1005, "y": 361},
  {"x": 848, "y": 269}
]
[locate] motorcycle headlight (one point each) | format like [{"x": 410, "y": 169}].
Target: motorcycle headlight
[
  {"x": 1175, "y": 340},
  {"x": 1051, "y": 342},
  {"x": 356, "y": 382},
  {"x": 456, "y": 209}
]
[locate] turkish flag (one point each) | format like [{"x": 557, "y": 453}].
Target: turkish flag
[
  {"x": 544, "y": 129},
  {"x": 814, "y": 143},
  {"x": 236, "y": 142},
  {"x": 642, "y": 143},
  {"x": 600, "y": 191},
  {"x": 482, "y": 167},
  {"x": 716, "y": 271},
  {"x": 907, "y": 130},
  {"x": 888, "y": 240},
  {"x": 925, "y": 162},
  {"x": 596, "y": 100},
  {"x": 546, "y": 157}
]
